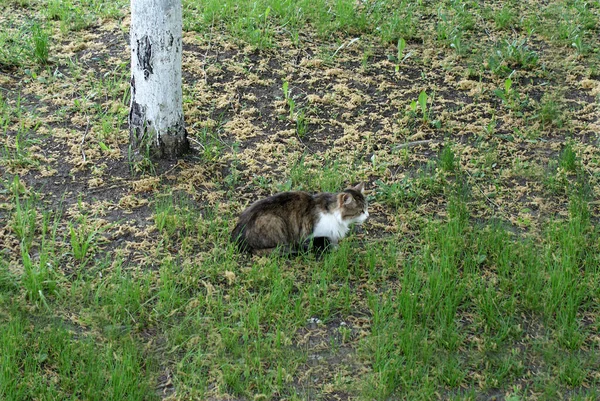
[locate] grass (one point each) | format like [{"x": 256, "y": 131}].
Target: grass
[
  {"x": 50, "y": 360},
  {"x": 473, "y": 126}
]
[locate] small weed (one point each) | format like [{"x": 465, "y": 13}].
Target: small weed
[
  {"x": 505, "y": 93},
  {"x": 366, "y": 58},
  {"x": 456, "y": 44},
  {"x": 400, "y": 57},
  {"x": 578, "y": 44},
  {"x": 287, "y": 94},
  {"x": 296, "y": 115},
  {"x": 301, "y": 124},
  {"x": 421, "y": 102},
  {"x": 490, "y": 128},
  {"x": 510, "y": 97},
  {"x": 262, "y": 182},
  {"x": 234, "y": 178}
]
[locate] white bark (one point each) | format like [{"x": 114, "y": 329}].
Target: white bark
[{"x": 156, "y": 112}]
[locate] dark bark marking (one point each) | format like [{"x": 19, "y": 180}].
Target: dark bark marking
[
  {"x": 137, "y": 116},
  {"x": 144, "y": 55}
]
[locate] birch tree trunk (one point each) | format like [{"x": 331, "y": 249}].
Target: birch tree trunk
[{"x": 156, "y": 110}]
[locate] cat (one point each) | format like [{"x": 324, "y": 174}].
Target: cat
[{"x": 295, "y": 221}]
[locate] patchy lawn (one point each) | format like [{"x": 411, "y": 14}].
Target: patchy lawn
[{"x": 474, "y": 125}]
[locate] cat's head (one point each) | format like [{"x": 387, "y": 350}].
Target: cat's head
[{"x": 353, "y": 204}]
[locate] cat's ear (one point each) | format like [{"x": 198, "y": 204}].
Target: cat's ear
[
  {"x": 360, "y": 188},
  {"x": 345, "y": 198}
]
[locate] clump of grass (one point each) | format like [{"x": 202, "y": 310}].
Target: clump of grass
[
  {"x": 402, "y": 22},
  {"x": 139, "y": 157},
  {"x": 255, "y": 27},
  {"x": 568, "y": 254},
  {"x": 40, "y": 277},
  {"x": 82, "y": 239},
  {"x": 568, "y": 158},
  {"x": 24, "y": 223},
  {"x": 37, "y": 280},
  {"x": 175, "y": 215},
  {"x": 411, "y": 189},
  {"x": 17, "y": 153},
  {"x": 317, "y": 176},
  {"x": 510, "y": 55},
  {"x": 550, "y": 112},
  {"x": 213, "y": 147},
  {"x": 72, "y": 16},
  {"x": 297, "y": 115},
  {"x": 562, "y": 172},
  {"x": 504, "y": 18},
  {"x": 447, "y": 160},
  {"x": 13, "y": 49},
  {"x": 57, "y": 10},
  {"x": 40, "y": 44}
]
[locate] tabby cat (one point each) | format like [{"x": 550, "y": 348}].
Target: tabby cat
[{"x": 293, "y": 220}]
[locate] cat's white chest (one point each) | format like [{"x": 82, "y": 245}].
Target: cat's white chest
[{"x": 330, "y": 225}]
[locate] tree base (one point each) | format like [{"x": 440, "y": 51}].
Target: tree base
[{"x": 143, "y": 137}]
